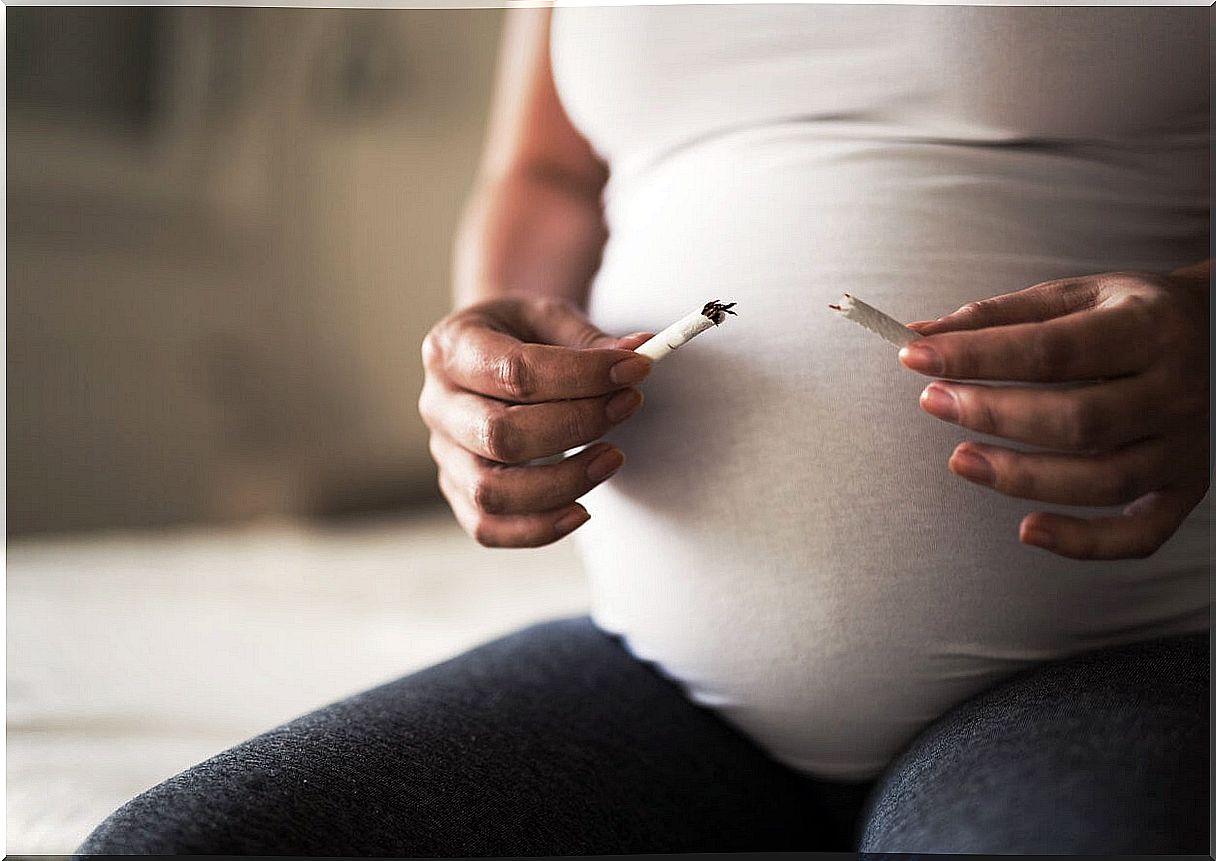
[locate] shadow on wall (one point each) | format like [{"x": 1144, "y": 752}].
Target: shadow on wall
[{"x": 228, "y": 231}]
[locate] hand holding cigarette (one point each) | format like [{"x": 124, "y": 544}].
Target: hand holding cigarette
[
  {"x": 513, "y": 380},
  {"x": 1132, "y": 431}
]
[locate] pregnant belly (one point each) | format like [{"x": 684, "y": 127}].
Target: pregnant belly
[{"x": 785, "y": 538}]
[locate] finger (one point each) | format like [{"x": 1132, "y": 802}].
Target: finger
[
  {"x": 1139, "y": 531},
  {"x": 496, "y": 489},
  {"x": 472, "y": 355},
  {"x": 632, "y": 342},
  {"x": 1041, "y": 302},
  {"x": 1086, "y": 418},
  {"x": 512, "y": 530},
  {"x": 1114, "y": 478},
  {"x": 1096, "y": 344},
  {"x": 517, "y": 433}
]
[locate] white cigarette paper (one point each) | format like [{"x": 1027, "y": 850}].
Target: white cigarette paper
[
  {"x": 684, "y": 330},
  {"x": 884, "y": 325}
]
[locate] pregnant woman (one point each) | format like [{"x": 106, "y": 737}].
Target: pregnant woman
[{"x": 954, "y": 600}]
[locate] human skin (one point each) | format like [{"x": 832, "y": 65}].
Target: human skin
[
  {"x": 1134, "y": 431},
  {"x": 517, "y": 372}
]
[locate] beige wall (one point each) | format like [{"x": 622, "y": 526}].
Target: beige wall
[{"x": 218, "y": 315}]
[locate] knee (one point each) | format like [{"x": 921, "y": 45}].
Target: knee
[
  {"x": 256, "y": 799},
  {"x": 161, "y": 821},
  {"x": 984, "y": 811},
  {"x": 1107, "y": 754}
]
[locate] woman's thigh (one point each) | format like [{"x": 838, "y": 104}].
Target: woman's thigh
[
  {"x": 551, "y": 741},
  {"x": 1106, "y": 752}
]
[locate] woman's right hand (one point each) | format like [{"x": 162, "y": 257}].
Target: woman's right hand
[{"x": 514, "y": 379}]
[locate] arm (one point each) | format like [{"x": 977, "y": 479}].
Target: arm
[
  {"x": 533, "y": 223},
  {"x": 517, "y": 373}
]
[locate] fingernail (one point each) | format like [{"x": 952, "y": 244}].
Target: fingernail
[
  {"x": 920, "y": 357},
  {"x": 972, "y": 466},
  {"x": 605, "y": 465},
  {"x": 571, "y": 521},
  {"x": 630, "y": 371},
  {"x": 1039, "y": 537},
  {"x": 940, "y": 401},
  {"x": 622, "y": 405}
]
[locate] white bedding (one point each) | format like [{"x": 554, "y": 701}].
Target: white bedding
[{"x": 132, "y": 656}]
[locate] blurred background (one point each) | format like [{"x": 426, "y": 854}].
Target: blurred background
[{"x": 228, "y": 231}]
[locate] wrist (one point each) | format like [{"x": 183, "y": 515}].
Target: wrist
[{"x": 527, "y": 234}]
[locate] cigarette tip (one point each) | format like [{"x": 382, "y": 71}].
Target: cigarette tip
[
  {"x": 716, "y": 311},
  {"x": 844, "y": 305}
]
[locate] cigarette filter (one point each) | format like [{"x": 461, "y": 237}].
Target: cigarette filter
[
  {"x": 685, "y": 329},
  {"x": 852, "y": 308}
]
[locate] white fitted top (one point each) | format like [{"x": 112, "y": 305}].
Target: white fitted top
[{"x": 785, "y": 539}]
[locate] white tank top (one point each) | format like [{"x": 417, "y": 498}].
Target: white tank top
[{"x": 785, "y": 539}]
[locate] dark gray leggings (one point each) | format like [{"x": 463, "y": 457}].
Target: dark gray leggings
[{"x": 554, "y": 741}]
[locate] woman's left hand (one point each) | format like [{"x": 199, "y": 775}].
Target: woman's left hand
[{"x": 1132, "y": 430}]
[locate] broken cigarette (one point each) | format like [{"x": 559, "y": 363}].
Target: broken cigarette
[
  {"x": 684, "y": 330},
  {"x": 852, "y": 308}
]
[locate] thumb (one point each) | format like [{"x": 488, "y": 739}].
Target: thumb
[
  {"x": 564, "y": 324},
  {"x": 632, "y": 342}
]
